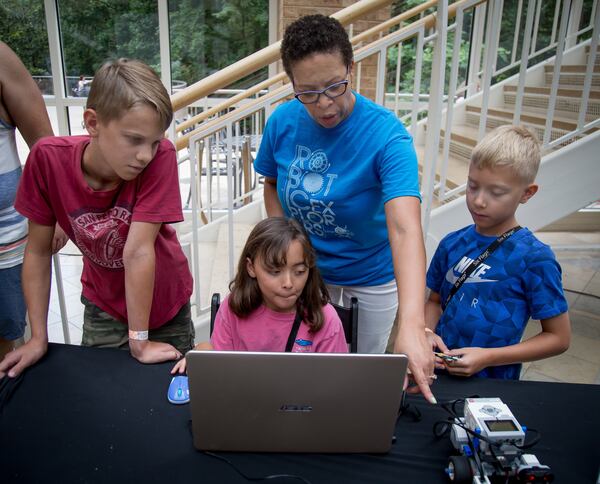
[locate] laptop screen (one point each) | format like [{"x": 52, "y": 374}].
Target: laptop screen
[{"x": 294, "y": 402}]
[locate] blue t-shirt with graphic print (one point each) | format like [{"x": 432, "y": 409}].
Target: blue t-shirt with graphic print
[
  {"x": 519, "y": 280},
  {"x": 335, "y": 181}
]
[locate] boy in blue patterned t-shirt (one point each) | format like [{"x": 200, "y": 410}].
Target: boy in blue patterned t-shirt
[{"x": 484, "y": 321}]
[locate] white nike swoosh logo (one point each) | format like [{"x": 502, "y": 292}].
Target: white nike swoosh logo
[{"x": 451, "y": 278}]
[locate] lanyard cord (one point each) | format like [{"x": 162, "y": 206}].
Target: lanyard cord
[
  {"x": 293, "y": 332},
  {"x": 483, "y": 256}
]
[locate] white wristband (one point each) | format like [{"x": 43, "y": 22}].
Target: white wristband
[{"x": 138, "y": 335}]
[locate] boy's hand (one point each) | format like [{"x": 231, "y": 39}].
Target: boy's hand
[
  {"x": 24, "y": 356},
  {"x": 152, "y": 351},
  {"x": 470, "y": 362},
  {"x": 437, "y": 343}
]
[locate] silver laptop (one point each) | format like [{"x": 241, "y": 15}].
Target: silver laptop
[{"x": 294, "y": 402}]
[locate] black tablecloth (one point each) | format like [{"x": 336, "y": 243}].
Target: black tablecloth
[{"x": 94, "y": 415}]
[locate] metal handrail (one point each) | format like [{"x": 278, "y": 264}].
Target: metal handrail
[
  {"x": 183, "y": 140},
  {"x": 362, "y": 52},
  {"x": 262, "y": 58}
]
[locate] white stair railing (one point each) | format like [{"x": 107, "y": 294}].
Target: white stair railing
[{"x": 475, "y": 27}]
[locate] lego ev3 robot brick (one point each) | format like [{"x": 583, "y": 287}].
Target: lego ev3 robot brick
[{"x": 494, "y": 419}]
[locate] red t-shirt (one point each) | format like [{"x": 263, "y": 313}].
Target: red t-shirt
[{"x": 53, "y": 189}]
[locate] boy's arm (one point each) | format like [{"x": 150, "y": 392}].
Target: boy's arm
[
  {"x": 433, "y": 310},
  {"x": 554, "y": 339},
  {"x": 433, "y": 313},
  {"x": 139, "y": 259},
  {"x": 36, "y": 288}
]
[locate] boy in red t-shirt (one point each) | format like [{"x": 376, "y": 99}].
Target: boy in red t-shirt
[{"x": 112, "y": 192}]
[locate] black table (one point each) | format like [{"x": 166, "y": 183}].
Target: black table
[{"x": 97, "y": 415}]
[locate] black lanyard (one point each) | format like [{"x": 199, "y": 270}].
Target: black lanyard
[
  {"x": 293, "y": 332},
  {"x": 483, "y": 256}
]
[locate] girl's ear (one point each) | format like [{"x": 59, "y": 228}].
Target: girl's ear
[{"x": 250, "y": 268}]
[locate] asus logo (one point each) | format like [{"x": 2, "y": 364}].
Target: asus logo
[{"x": 295, "y": 408}]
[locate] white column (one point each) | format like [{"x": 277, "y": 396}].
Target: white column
[
  {"x": 56, "y": 64},
  {"x": 273, "y": 30}
]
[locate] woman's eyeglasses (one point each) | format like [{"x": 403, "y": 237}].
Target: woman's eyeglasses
[{"x": 333, "y": 91}]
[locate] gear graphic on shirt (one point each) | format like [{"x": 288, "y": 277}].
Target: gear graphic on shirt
[
  {"x": 343, "y": 232},
  {"x": 312, "y": 182},
  {"x": 318, "y": 162}
]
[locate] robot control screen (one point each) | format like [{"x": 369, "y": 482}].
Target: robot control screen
[{"x": 501, "y": 425}]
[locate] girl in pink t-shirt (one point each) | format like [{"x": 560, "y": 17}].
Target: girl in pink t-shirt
[{"x": 277, "y": 279}]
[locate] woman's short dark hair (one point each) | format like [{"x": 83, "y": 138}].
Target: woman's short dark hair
[
  {"x": 269, "y": 241},
  {"x": 314, "y": 34}
]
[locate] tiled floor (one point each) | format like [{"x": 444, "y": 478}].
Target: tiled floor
[{"x": 578, "y": 254}]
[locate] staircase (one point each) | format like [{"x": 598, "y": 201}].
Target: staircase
[{"x": 464, "y": 135}]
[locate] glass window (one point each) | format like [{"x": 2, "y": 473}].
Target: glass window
[
  {"x": 208, "y": 35},
  {"x": 23, "y": 28},
  {"x": 96, "y": 30}
]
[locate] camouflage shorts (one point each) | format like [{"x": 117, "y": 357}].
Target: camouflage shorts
[{"x": 100, "y": 329}]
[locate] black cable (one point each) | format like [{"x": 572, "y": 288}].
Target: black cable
[
  {"x": 405, "y": 409},
  {"x": 535, "y": 440},
  {"x": 249, "y": 478},
  {"x": 476, "y": 457}
]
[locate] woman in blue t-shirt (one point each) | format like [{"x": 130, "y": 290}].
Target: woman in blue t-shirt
[{"x": 346, "y": 168}]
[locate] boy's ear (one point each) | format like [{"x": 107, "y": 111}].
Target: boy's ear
[
  {"x": 90, "y": 121},
  {"x": 529, "y": 192},
  {"x": 250, "y": 268}
]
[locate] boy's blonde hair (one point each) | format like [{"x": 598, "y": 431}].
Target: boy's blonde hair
[
  {"x": 121, "y": 84},
  {"x": 513, "y": 146}
]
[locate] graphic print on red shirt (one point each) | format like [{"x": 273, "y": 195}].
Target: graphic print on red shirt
[{"x": 102, "y": 236}]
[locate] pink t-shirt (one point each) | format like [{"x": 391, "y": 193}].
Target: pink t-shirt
[
  {"x": 53, "y": 189},
  {"x": 267, "y": 330}
]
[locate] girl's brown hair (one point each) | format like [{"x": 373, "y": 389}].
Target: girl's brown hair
[{"x": 269, "y": 241}]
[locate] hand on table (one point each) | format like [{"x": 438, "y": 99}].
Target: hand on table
[
  {"x": 24, "y": 356},
  {"x": 152, "y": 351},
  {"x": 417, "y": 347}
]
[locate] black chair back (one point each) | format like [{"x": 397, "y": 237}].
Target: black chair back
[
  {"x": 349, "y": 318},
  {"x": 215, "y": 302}
]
